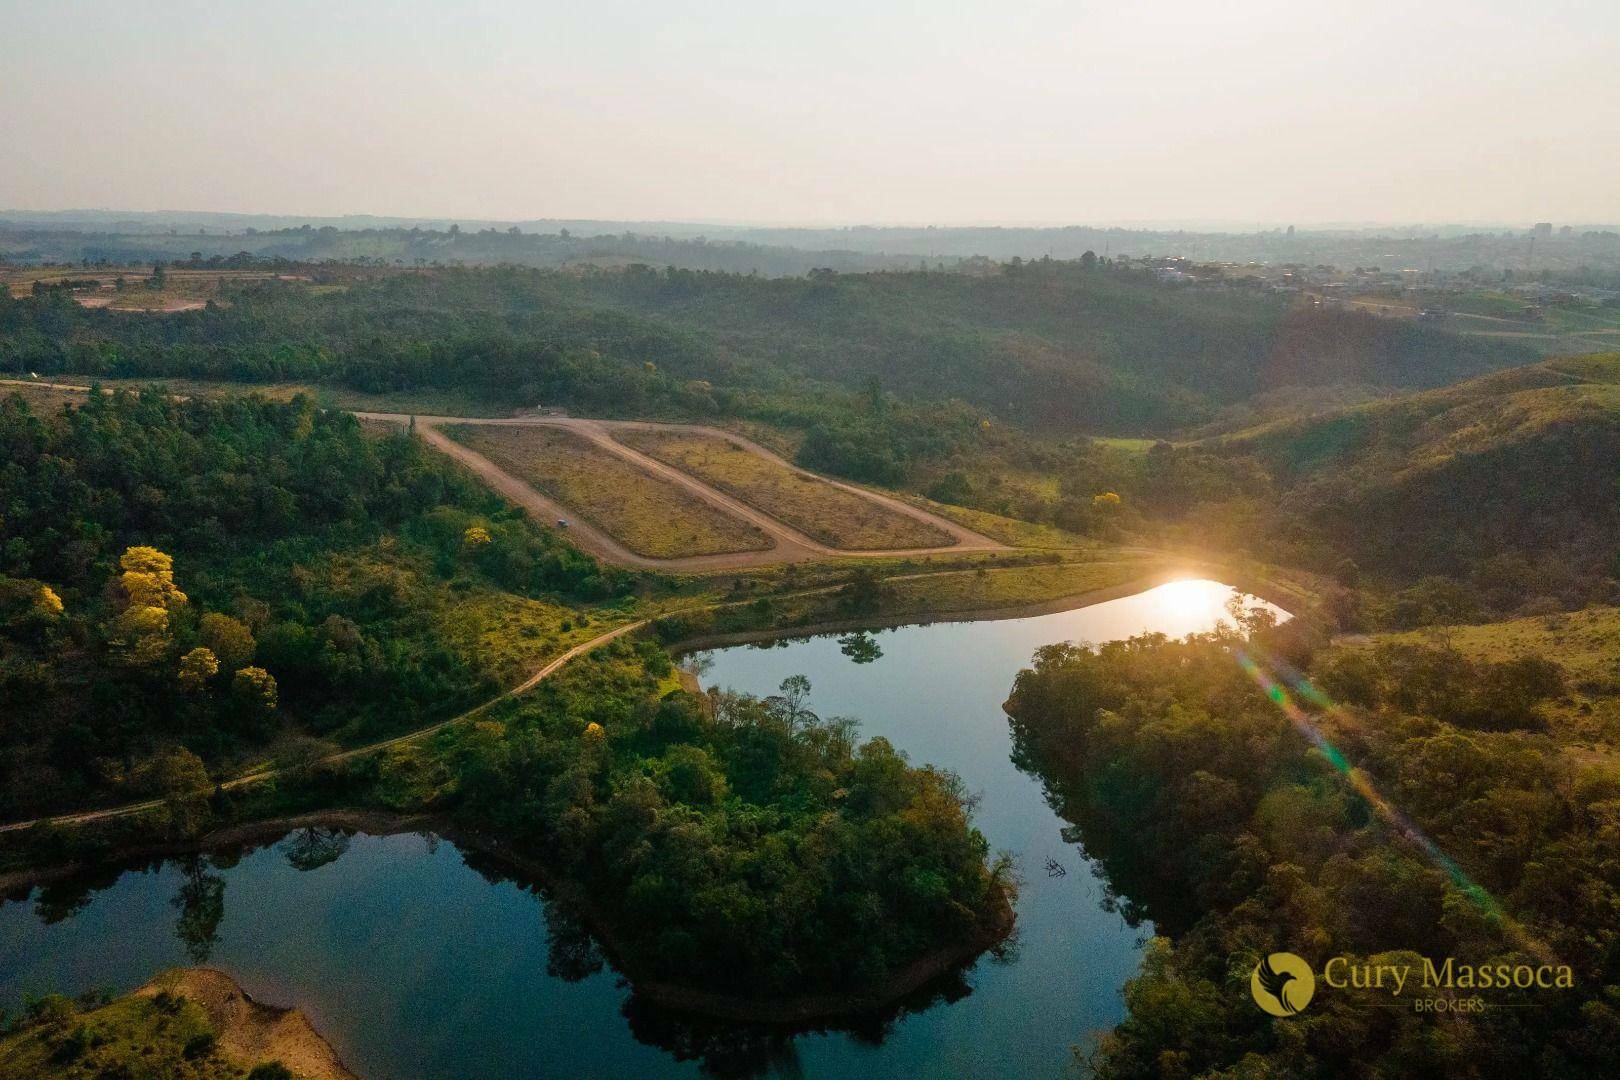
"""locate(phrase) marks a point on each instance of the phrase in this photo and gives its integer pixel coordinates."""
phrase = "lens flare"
(1266, 677)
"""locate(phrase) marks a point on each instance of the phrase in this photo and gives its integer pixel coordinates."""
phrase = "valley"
(364, 634)
(810, 542)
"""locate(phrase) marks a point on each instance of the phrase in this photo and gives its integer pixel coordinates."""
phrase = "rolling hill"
(1062, 348)
(1506, 475)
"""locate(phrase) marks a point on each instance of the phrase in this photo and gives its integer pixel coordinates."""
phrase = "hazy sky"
(825, 112)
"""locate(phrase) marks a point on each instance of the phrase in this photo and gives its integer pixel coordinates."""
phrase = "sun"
(1193, 599)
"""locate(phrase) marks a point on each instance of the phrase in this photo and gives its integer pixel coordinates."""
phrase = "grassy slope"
(972, 590)
(836, 517)
(1427, 428)
(510, 636)
(1586, 643)
(1520, 460)
(136, 1038)
(644, 513)
(186, 1024)
(1008, 530)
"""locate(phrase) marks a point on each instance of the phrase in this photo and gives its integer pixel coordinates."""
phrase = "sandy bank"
(251, 1032)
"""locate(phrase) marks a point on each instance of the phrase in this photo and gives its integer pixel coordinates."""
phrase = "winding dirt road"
(419, 734)
(787, 543)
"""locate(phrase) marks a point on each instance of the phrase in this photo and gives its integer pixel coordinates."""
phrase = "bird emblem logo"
(1282, 984)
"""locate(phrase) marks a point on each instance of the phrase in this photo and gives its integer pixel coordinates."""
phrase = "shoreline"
(1271, 592)
(879, 621)
(799, 1011)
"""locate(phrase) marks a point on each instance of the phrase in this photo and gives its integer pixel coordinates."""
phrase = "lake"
(415, 961)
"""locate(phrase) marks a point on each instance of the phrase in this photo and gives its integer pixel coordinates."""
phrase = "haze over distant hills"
(75, 235)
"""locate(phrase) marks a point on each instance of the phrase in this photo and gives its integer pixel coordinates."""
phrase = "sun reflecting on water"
(1194, 601)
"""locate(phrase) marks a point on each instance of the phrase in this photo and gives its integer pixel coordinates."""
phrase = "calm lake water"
(415, 964)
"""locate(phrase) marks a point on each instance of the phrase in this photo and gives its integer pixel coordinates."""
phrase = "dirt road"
(262, 775)
(787, 543)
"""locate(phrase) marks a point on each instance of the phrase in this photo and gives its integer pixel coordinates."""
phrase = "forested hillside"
(183, 581)
(1054, 345)
(1217, 819)
(1060, 347)
(1506, 482)
(586, 244)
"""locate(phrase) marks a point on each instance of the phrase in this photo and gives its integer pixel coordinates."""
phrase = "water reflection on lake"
(416, 960)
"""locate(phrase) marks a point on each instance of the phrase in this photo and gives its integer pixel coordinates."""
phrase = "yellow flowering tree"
(47, 602)
(196, 668)
(148, 579)
(140, 632)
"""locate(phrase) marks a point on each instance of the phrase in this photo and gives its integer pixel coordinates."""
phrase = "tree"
(791, 705)
(140, 635)
(140, 632)
(863, 593)
(172, 773)
(196, 668)
(230, 639)
(148, 579)
(47, 603)
(256, 688)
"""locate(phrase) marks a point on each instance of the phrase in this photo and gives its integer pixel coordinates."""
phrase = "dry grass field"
(645, 514)
(42, 400)
(182, 290)
(1010, 531)
(1586, 644)
(1001, 587)
(822, 511)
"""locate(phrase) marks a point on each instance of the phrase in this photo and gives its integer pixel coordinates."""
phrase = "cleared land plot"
(1011, 531)
(825, 512)
(645, 514)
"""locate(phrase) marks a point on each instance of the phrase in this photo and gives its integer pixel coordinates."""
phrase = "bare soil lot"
(833, 515)
(644, 513)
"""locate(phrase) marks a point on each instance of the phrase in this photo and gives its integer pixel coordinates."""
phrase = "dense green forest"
(185, 580)
(1052, 345)
(741, 845)
(1242, 835)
